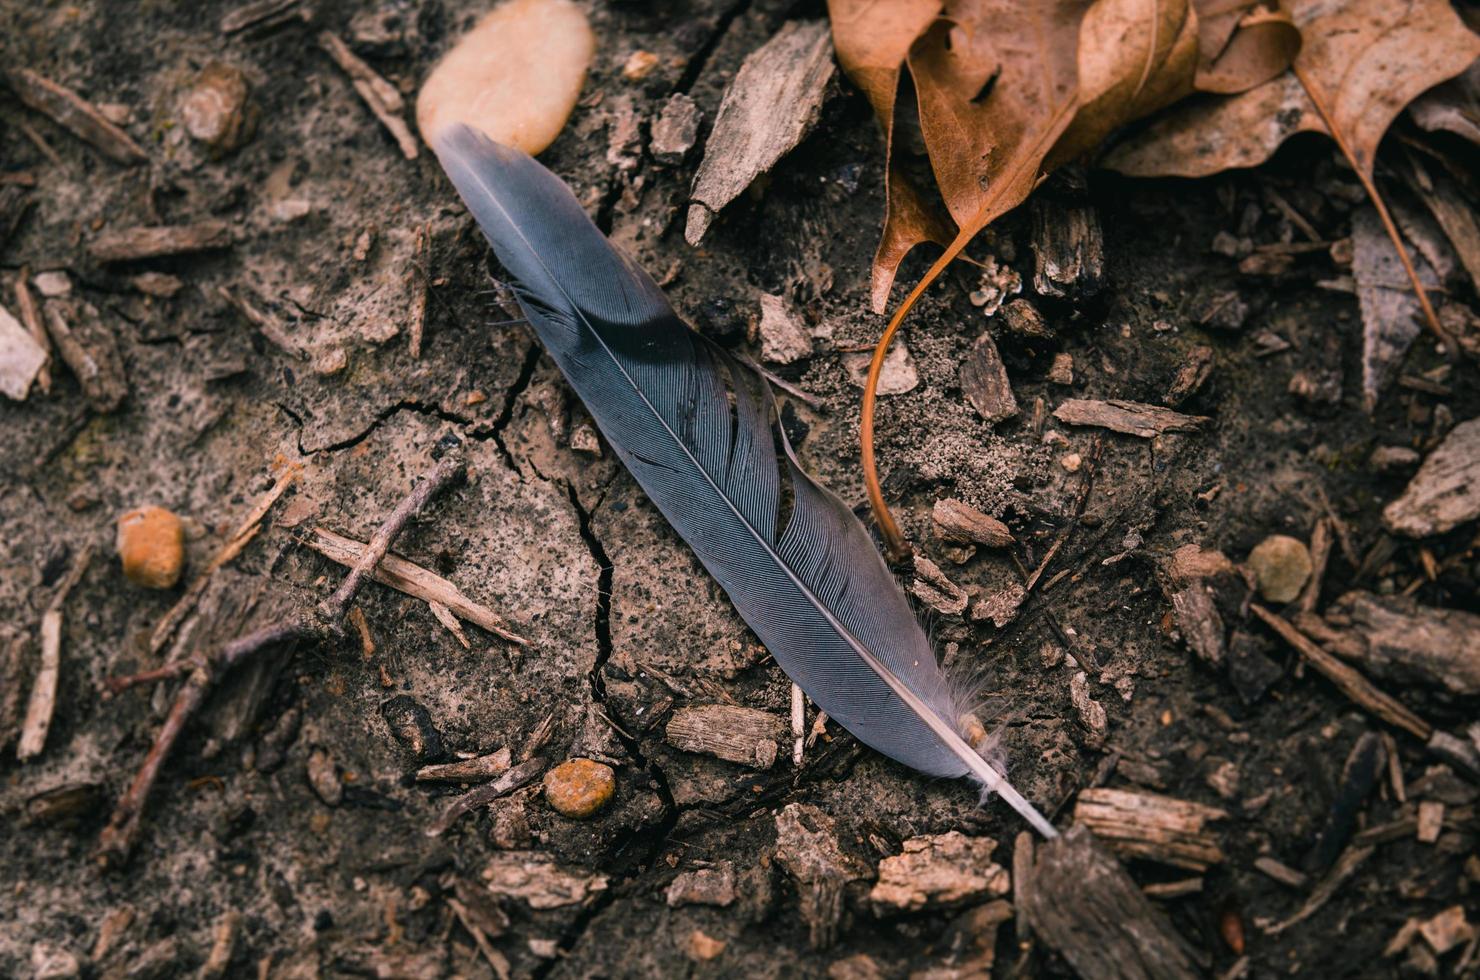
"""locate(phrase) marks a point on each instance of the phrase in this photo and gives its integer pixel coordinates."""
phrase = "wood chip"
(984, 382)
(475, 770)
(412, 579)
(1068, 249)
(1091, 713)
(1152, 826)
(1447, 929)
(1446, 490)
(1398, 639)
(540, 881)
(772, 104)
(75, 114)
(30, 316)
(807, 848)
(1194, 372)
(380, 95)
(1347, 678)
(1085, 906)
(21, 358)
(932, 587)
(264, 14)
(1430, 821)
(43, 701)
(152, 241)
(729, 732)
(1197, 618)
(1131, 418)
(939, 871)
(89, 350)
(960, 522)
(784, 336)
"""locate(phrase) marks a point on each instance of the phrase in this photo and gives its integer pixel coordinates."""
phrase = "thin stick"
(413, 580)
(43, 701)
(1347, 678)
(1431, 319)
(333, 608)
(323, 623)
(798, 724)
(245, 531)
(421, 275)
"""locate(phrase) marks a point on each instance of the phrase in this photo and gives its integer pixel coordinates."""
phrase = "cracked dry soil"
(623, 623)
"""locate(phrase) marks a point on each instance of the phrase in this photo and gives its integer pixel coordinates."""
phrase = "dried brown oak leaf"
(1130, 65)
(1369, 60)
(872, 40)
(996, 88)
(1241, 44)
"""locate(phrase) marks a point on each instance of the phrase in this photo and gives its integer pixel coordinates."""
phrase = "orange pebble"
(151, 545)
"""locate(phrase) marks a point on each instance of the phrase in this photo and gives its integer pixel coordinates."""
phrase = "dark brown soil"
(620, 616)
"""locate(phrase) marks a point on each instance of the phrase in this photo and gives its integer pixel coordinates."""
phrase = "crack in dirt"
(506, 412)
(471, 430)
(656, 838)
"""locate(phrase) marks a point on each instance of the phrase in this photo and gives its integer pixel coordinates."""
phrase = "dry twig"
(415, 581)
(70, 111)
(324, 622)
(44, 691)
(380, 95)
(1347, 678)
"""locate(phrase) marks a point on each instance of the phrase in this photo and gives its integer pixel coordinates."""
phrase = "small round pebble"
(579, 788)
(1281, 565)
(151, 545)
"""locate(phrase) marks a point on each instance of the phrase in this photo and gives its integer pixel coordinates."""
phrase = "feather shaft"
(682, 416)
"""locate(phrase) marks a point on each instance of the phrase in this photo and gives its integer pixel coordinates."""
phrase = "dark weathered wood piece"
(1131, 418)
(960, 522)
(1190, 377)
(984, 381)
(1445, 492)
(1400, 640)
(1084, 905)
(1068, 249)
(74, 113)
(264, 14)
(147, 242)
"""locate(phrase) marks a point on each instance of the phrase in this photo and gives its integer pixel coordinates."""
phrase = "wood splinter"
(380, 95)
(74, 113)
(44, 691)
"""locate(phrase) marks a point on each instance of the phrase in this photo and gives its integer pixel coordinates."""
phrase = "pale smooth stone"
(515, 76)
